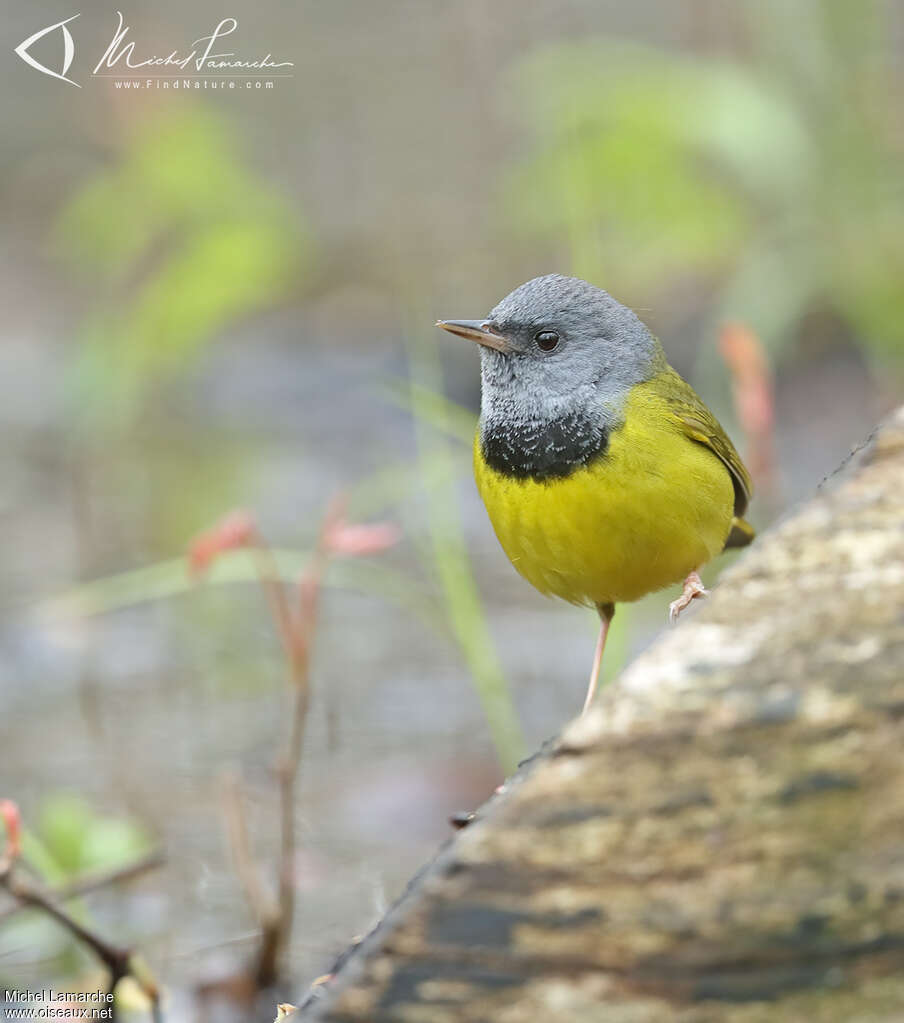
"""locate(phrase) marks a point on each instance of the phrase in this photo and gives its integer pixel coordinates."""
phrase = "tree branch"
(87, 883)
(120, 961)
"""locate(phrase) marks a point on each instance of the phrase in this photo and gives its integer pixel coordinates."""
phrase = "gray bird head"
(558, 355)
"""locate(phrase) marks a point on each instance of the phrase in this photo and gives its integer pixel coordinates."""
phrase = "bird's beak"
(476, 330)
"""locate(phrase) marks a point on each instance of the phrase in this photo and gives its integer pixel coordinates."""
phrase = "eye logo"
(68, 50)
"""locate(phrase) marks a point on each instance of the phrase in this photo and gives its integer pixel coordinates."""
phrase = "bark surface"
(721, 840)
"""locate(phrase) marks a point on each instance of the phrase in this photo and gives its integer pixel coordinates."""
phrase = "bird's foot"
(693, 588)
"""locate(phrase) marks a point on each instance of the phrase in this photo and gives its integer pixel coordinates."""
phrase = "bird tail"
(741, 534)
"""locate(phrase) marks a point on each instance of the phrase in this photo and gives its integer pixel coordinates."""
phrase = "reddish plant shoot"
(12, 822)
(295, 626)
(754, 399)
(338, 538)
(346, 539)
(236, 530)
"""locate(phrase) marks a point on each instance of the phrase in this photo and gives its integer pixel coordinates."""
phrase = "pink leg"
(693, 588)
(606, 612)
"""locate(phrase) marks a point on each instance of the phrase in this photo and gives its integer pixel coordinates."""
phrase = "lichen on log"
(722, 839)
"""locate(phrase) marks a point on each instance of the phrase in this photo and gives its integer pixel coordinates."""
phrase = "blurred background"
(224, 298)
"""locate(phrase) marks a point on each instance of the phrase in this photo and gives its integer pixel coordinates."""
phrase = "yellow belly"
(654, 508)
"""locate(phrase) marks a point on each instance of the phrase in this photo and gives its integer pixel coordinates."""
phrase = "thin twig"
(295, 626)
(275, 592)
(87, 883)
(118, 960)
(288, 777)
(297, 631)
(240, 846)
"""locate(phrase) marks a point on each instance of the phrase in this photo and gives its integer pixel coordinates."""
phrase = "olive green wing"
(700, 425)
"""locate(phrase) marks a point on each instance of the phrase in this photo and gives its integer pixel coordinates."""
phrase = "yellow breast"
(655, 507)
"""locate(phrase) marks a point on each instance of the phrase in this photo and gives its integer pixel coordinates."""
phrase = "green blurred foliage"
(775, 180)
(177, 240)
(72, 839)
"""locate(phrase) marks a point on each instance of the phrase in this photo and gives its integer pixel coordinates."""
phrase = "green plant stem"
(463, 605)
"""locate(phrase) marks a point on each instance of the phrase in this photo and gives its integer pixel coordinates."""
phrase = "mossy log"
(722, 839)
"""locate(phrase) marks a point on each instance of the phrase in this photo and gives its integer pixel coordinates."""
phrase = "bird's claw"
(693, 588)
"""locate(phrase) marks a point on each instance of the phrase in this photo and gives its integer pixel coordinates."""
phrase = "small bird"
(604, 475)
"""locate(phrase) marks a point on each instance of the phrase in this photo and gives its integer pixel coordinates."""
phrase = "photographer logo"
(199, 65)
(68, 50)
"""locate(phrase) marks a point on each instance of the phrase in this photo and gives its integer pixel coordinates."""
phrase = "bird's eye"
(547, 340)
